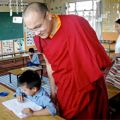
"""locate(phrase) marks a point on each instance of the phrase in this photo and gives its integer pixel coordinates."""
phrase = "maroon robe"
(77, 58)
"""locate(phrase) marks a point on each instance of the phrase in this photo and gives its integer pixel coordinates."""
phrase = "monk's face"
(117, 27)
(40, 24)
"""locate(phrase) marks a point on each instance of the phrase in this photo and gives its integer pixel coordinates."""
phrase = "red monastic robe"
(77, 59)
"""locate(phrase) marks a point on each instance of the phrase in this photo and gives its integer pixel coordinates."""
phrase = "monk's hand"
(27, 111)
(20, 98)
(53, 98)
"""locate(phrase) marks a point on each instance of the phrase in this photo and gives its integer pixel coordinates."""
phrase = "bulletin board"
(29, 41)
(19, 45)
(7, 46)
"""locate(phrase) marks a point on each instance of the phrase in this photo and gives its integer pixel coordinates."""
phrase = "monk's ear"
(49, 16)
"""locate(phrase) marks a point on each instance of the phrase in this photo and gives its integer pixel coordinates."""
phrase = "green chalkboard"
(8, 29)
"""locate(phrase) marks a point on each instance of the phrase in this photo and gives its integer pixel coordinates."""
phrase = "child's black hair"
(30, 78)
(117, 21)
(31, 50)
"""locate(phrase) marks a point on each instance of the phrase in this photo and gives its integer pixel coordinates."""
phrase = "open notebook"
(17, 107)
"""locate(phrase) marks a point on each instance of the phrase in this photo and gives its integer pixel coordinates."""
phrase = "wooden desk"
(6, 114)
(14, 58)
(19, 71)
(10, 58)
(112, 91)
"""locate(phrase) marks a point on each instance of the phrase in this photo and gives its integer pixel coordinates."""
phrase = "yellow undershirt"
(58, 26)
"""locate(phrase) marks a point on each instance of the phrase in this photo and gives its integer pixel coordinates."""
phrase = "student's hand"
(20, 98)
(29, 57)
(27, 111)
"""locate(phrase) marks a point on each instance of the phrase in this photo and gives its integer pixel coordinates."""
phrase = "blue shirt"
(35, 59)
(41, 98)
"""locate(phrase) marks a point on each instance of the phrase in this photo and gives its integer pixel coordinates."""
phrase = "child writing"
(34, 59)
(30, 87)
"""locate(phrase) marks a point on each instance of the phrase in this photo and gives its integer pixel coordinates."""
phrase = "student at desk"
(30, 87)
(34, 59)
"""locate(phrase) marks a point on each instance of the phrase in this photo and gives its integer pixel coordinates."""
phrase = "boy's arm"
(30, 57)
(19, 95)
(39, 112)
(48, 107)
(42, 112)
(34, 58)
(18, 92)
(48, 104)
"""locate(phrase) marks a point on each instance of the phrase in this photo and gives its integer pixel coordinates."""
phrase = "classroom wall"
(4, 6)
(60, 6)
(57, 7)
(110, 10)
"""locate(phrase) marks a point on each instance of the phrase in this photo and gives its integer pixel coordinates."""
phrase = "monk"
(75, 60)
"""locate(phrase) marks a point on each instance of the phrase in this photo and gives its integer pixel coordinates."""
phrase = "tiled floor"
(4, 79)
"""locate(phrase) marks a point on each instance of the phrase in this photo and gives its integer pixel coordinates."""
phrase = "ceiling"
(28, 1)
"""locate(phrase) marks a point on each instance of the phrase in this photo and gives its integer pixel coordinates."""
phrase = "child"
(34, 59)
(30, 87)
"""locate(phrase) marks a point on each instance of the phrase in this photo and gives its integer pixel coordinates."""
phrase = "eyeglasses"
(39, 27)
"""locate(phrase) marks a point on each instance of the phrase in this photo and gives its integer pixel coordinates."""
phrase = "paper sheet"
(17, 107)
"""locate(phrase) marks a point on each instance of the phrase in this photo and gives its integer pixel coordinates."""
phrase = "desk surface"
(112, 91)
(5, 114)
(19, 71)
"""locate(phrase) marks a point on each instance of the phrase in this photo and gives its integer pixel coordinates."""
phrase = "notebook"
(17, 107)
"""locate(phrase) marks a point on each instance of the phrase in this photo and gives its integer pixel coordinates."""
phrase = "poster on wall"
(7, 46)
(19, 45)
(0, 47)
(29, 38)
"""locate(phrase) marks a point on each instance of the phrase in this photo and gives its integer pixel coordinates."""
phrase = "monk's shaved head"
(37, 19)
(35, 7)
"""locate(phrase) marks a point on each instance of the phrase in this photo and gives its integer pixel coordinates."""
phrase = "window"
(87, 9)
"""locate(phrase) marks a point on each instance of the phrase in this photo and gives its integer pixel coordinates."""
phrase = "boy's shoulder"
(42, 93)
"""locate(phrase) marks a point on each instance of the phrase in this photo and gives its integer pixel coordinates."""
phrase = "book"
(17, 107)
